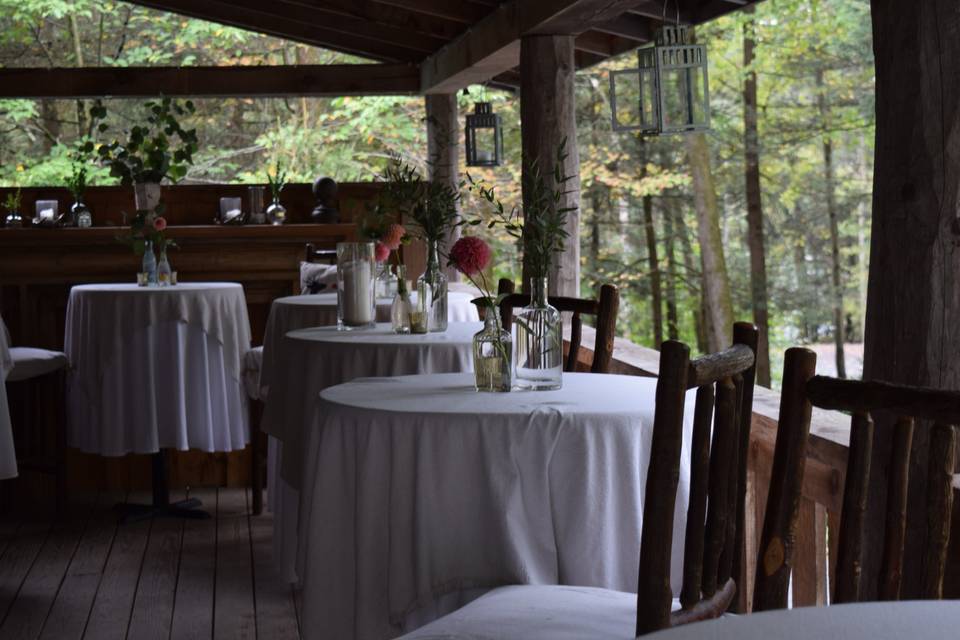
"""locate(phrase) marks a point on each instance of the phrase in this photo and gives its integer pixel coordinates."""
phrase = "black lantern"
(669, 87)
(484, 137)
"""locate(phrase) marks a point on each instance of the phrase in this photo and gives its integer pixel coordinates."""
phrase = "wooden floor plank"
(193, 606)
(71, 609)
(28, 612)
(276, 611)
(113, 603)
(152, 614)
(234, 612)
(17, 560)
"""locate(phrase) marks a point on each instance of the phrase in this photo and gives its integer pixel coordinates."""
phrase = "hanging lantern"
(484, 137)
(669, 87)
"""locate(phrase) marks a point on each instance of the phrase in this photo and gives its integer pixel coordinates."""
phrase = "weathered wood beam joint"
(246, 81)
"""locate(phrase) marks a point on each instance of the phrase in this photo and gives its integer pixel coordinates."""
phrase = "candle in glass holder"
(356, 305)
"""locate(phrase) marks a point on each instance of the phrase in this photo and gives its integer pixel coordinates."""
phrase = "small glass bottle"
(276, 212)
(163, 270)
(400, 309)
(81, 213)
(538, 338)
(436, 279)
(420, 315)
(149, 264)
(492, 354)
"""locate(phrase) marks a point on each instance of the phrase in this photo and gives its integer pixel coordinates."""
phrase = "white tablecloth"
(322, 357)
(417, 488)
(8, 457)
(926, 620)
(157, 368)
(318, 310)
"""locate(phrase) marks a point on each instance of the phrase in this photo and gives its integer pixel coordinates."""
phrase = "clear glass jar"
(436, 279)
(420, 315)
(400, 309)
(492, 347)
(538, 337)
(81, 213)
(356, 269)
(276, 213)
(164, 277)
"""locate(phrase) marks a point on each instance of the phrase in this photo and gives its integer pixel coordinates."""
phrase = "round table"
(318, 310)
(418, 488)
(321, 357)
(156, 368)
(8, 456)
(929, 620)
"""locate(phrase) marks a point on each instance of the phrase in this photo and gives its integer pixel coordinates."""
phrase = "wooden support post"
(547, 114)
(443, 146)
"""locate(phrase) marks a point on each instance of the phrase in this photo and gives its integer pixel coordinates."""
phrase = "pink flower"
(394, 236)
(470, 255)
(381, 252)
(160, 223)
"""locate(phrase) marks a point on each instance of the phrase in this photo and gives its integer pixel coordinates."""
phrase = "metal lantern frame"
(483, 118)
(671, 54)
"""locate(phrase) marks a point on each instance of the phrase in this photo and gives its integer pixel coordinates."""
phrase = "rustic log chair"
(724, 400)
(803, 390)
(605, 309)
(252, 363)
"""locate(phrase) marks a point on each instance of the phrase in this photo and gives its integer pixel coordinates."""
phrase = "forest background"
(765, 217)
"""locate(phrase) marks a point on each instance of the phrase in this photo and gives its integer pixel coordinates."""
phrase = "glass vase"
(420, 314)
(434, 277)
(492, 348)
(146, 195)
(356, 269)
(387, 286)
(538, 337)
(402, 305)
(148, 265)
(276, 212)
(81, 213)
(164, 272)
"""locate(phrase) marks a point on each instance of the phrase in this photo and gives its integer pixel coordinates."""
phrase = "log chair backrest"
(328, 256)
(803, 390)
(712, 555)
(605, 309)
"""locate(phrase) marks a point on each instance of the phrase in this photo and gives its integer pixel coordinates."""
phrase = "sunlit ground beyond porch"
(90, 577)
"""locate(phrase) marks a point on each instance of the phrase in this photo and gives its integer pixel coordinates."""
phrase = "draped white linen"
(157, 368)
(318, 310)
(8, 456)
(418, 488)
(317, 358)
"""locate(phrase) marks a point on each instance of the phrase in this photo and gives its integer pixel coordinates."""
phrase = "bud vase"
(538, 337)
(401, 307)
(434, 277)
(492, 348)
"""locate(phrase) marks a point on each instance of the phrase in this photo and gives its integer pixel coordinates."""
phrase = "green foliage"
(277, 180)
(12, 202)
(148, 155)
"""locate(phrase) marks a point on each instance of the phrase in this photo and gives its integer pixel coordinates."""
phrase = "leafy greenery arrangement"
(541, 226)
(277, 180)
(12, 202)
(148, 226)
(77, 180)
(148, 154)
(432, 206)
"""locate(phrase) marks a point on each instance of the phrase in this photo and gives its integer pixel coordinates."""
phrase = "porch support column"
(547, 113)
(443, 146)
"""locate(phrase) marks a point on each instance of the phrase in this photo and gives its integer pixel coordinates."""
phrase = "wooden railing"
(822, 483)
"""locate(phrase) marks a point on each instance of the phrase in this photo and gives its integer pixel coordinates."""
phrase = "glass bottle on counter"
(401, 307)
(163, 270)
(149, 264)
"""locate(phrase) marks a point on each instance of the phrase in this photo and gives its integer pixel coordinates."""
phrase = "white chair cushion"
(317, 277)
(252, 362)
(539, 612)
(30, 363)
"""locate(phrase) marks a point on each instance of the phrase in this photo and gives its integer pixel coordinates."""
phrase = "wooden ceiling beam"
(319, 36)
(459, 10)
(386, 14)
(492, 45)
(628, 26)
(241, 81)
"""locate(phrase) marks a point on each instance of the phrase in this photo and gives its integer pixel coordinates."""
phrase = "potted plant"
(12, 204)
(160, 149)
(77, 184)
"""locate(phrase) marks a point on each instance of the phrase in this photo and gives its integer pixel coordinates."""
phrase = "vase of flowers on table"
(148, 239)
(541, 229)
(77, 184)
(492, 346)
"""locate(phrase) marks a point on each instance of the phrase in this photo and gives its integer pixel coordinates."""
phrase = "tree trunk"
(653, 262)
(547, 116)
(443, 148)
(673, 329)
(913, 298)
(78, 62)
(716, 288)
(836, 277)
(595, 238)
(758, 258)
(693, 275)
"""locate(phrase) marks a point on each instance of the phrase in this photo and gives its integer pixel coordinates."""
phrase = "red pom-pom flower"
(394, 236)
(470, 255)
(381, 252)
(160, 223)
